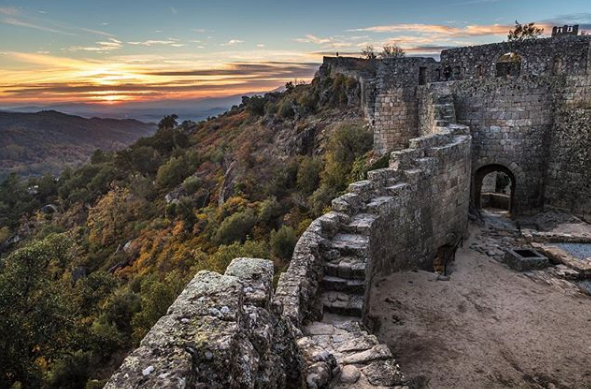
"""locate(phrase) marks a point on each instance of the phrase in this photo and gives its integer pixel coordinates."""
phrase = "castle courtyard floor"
(486, 327)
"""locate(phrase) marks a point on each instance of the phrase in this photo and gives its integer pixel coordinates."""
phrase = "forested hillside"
(91, 261)
(49, 141)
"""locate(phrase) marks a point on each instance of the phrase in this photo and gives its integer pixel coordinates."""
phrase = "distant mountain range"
(147, 111)
(48, 141)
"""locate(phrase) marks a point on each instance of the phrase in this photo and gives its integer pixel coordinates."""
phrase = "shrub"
(255, 105)
(283, 242)
(269, 211)
(309, 174)
(286, 109)
(192, 184)
(346, 144)
(271, 108)
(235, 227)
(144, 159)
(307, 102)
(185, 212)
(172, 172)
(321, 199)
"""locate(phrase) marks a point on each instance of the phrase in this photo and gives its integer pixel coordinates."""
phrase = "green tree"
(143, 159)
(345, 145)
(309, 174)
(283, 242)
(168, 122)
(192, 184)
(236, 227)
(98, 156)
(523, 32)
(172, 172)
(255, 105)
(37, 320)
(156, 296)
(286, 109)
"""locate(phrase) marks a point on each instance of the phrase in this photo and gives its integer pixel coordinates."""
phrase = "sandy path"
(488, 327)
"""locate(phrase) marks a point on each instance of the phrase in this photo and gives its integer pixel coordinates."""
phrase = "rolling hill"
(48, 141)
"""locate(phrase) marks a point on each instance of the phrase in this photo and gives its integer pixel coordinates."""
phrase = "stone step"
(379, 205)
(360, 223)
(339, 284)
(351, 268)
(351, 244)
(396, 190)
(342, 303)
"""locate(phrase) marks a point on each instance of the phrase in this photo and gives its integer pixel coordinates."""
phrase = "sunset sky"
(108, 51)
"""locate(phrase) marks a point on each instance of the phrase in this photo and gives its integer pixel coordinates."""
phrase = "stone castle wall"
(549, 57)
(525, 123)
(510, 121)
(568, 180)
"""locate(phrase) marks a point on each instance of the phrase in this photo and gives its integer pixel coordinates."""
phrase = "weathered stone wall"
(568, 182)
(219, 333)
(549, 56)
(510, 122)
(430, 184)
(395, 114)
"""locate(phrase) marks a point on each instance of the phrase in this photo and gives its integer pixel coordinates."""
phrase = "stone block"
(525, 259)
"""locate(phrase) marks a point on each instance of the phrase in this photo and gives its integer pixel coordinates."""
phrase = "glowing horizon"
(109, 53)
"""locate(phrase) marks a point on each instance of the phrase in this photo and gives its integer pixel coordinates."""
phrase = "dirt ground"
(487, 327)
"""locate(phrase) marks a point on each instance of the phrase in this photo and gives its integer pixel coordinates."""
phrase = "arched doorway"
(509, 65)
(494, 189)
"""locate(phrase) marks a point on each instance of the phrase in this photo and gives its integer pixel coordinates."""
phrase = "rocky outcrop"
(219, 333)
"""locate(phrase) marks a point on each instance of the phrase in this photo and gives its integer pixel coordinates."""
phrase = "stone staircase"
(338, 351)
(342, 354)
(346, 259)
(343, 284)
(444, 110)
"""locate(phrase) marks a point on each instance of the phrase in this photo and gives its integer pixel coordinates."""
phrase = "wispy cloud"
(440, 29)
(15, 18)
(232, 42)
(8, 11)
(329, 42)
(101, 47)
(22, 23)
(270, 69)
(168, 42)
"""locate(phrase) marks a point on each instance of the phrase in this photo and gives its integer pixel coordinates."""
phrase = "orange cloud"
(439, 29)
(46, 78)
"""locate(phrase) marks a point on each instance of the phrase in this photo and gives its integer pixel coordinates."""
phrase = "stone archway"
(478, 180)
